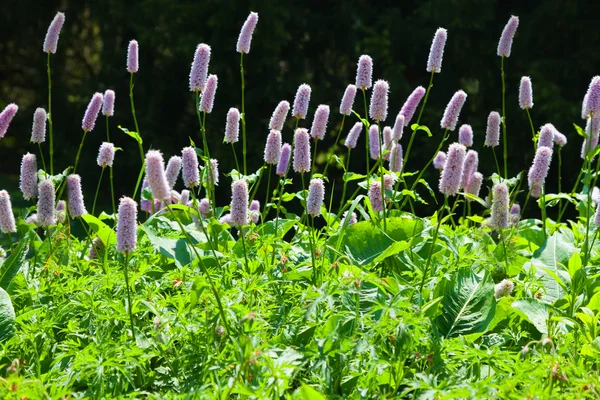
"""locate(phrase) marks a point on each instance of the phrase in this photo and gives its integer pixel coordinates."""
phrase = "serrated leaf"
(535, 312)
(468, 305)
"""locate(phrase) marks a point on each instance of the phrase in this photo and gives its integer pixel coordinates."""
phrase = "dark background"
(318, 43)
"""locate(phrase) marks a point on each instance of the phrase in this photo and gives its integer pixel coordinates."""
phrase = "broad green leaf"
(283, 226)
(351, 176)
(468, 305)
(552, 199)
(12, 264)
(103, 231)
(134, 135)
(7, 317)
(417, 127)
(177, 249)
(535, 312)
(308, 393)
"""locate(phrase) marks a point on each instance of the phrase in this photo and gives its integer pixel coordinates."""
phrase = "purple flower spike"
(364, 72)
(396, 158)
(350, 218)
(29, 184)
(239, 203)
(173, 169)
(75, 196)
(469, 167)
(38, 130)
(453, 170)
(375, 196)
(208, 97)
(91, 113)
(284, 160)
(232, 125)
(546, 137)
(525, 93)
(108, 107)
(379, 101)
(106, 155)
(319, 125)
(301, 101)
(515, 209)
(132, 57)
(374, 149)
(273, 147)
(189, 163)
(584, 111)
(7, 219)
(499, 219)
(436, 53)
(279, 115)
(411, 104)
(301, 151)
(560, 139)
(155, 172)
(465, 135)
(539, 170)
(213, 173)
(45, 205)
(204, 208)
(199, 70)
(245, 38)
(399, 127)
(255, 205)
(184, 198)
(592, 104)
(474, 185)
(388, 137)
(505, 43)
(452, 111)
(6, 117)
(127, 226)
(492, 133)
(353, 135)
(51, 40)
(348, 100)
(316, 195)
(440, 160)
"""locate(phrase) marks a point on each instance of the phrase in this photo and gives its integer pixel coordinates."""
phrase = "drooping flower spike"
(506, 39)
(245, 37)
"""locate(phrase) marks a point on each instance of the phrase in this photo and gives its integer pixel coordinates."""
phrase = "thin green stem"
(337, 139)
(79, 152)
(497, 164)
(107, 130)
(243, 112)
(345, 181)
(129, 303)
(264, 212)
(543, 205)
(533, 132)
(504, 140)
(314, 159)
(50, 127)
(237, 165)
(112, 192)
(244, 247)
(312, 250)
(435, 235)
(137, 129)
(97, 191)
(42, 157)
(412, 136)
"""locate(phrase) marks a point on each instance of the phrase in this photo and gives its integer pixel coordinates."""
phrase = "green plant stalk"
(337, 139)
(50, 131)
(314, 159)
(345, 181)
(340, 211)
(564, 208)
(504, 140)
(504, 245)
(137, 129)
(42, 156)
(533, 133)
(496, 160)
(79, 152)
(381, 173)
(588, 162)
(244, 247)
(414, 185)
(237, 165)
(312, 250)
(209, 185)
(264, 211)
(112, 192)
(204, 271)
(204, 230)
(107, 130)
(130, 304)
(282, 184)
(559, 171)
(435, 235)
(97, 191)
(366, 129)
(589, 210)
(243, 112)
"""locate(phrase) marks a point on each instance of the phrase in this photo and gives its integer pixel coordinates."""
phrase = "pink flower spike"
(374, 149)
(208, 96)
(51, 40)
(232, 125)
(440, 160)
(199, 70)
(592, 104)
(474, 185)
(396, 158)
(546, 137)
(411, 104)
(353, 135)
(375, 196)
(29, 182)
(7, 219)
(38, 130)
(399, 127)
(279, 115)
(388, 138)
(245, 37)
(499, 218)
(465, 135)
(106, 155)
(436, 53)
(284, 160)
(301, 151)
(539, 170)
(506, 39)
(469, 167)
(239, 203)
(452, 174)
(75, 196)
(301, 101)
(379, 100)
(348, 100)
(155, 172)
(453, 109)
(132, 57)
(91, 113)
(108, 107)
(492, 133)
(6, 117)
(127, 226)
(364, 72)
(273, 147)
(45, 205)
(525, 93)
(173, 169)
(319, 125)
(316, 195)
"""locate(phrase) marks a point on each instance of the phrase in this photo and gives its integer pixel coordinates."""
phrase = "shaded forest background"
(295, 42)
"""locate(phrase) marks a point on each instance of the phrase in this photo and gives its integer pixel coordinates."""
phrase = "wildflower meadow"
(297, 286)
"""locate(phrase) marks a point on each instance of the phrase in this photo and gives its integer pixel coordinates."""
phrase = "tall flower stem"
(337, 139)
(237, 164)
(244, 247)
(107, 130)
(50, 131)
(243, 112)
(345, 181)
(314, 161)
(282, 186)
(533, 133)
(42, 156)
(591, 174)
(112, 192)
(544, 210)
(435, 235)
(257, 184)
(504, 245)
(381, 173)
(496, 160)
(79, 152)
(412, 135)
(97, 191)
(310, 240)
(366, 129)
(264, 211)
(414, 185)
(504, 140)
(137, 129)
(559, 171)
(130, 304)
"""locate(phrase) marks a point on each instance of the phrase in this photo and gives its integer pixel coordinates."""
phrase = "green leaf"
(177, 249)
(579, 130)
(134, 135)
(351, 176)
(535, 312)
(417, 127)
(552, 199)
(308, 393)
(103, 231)
(468, 305)
(12, 264)
(7, 317)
